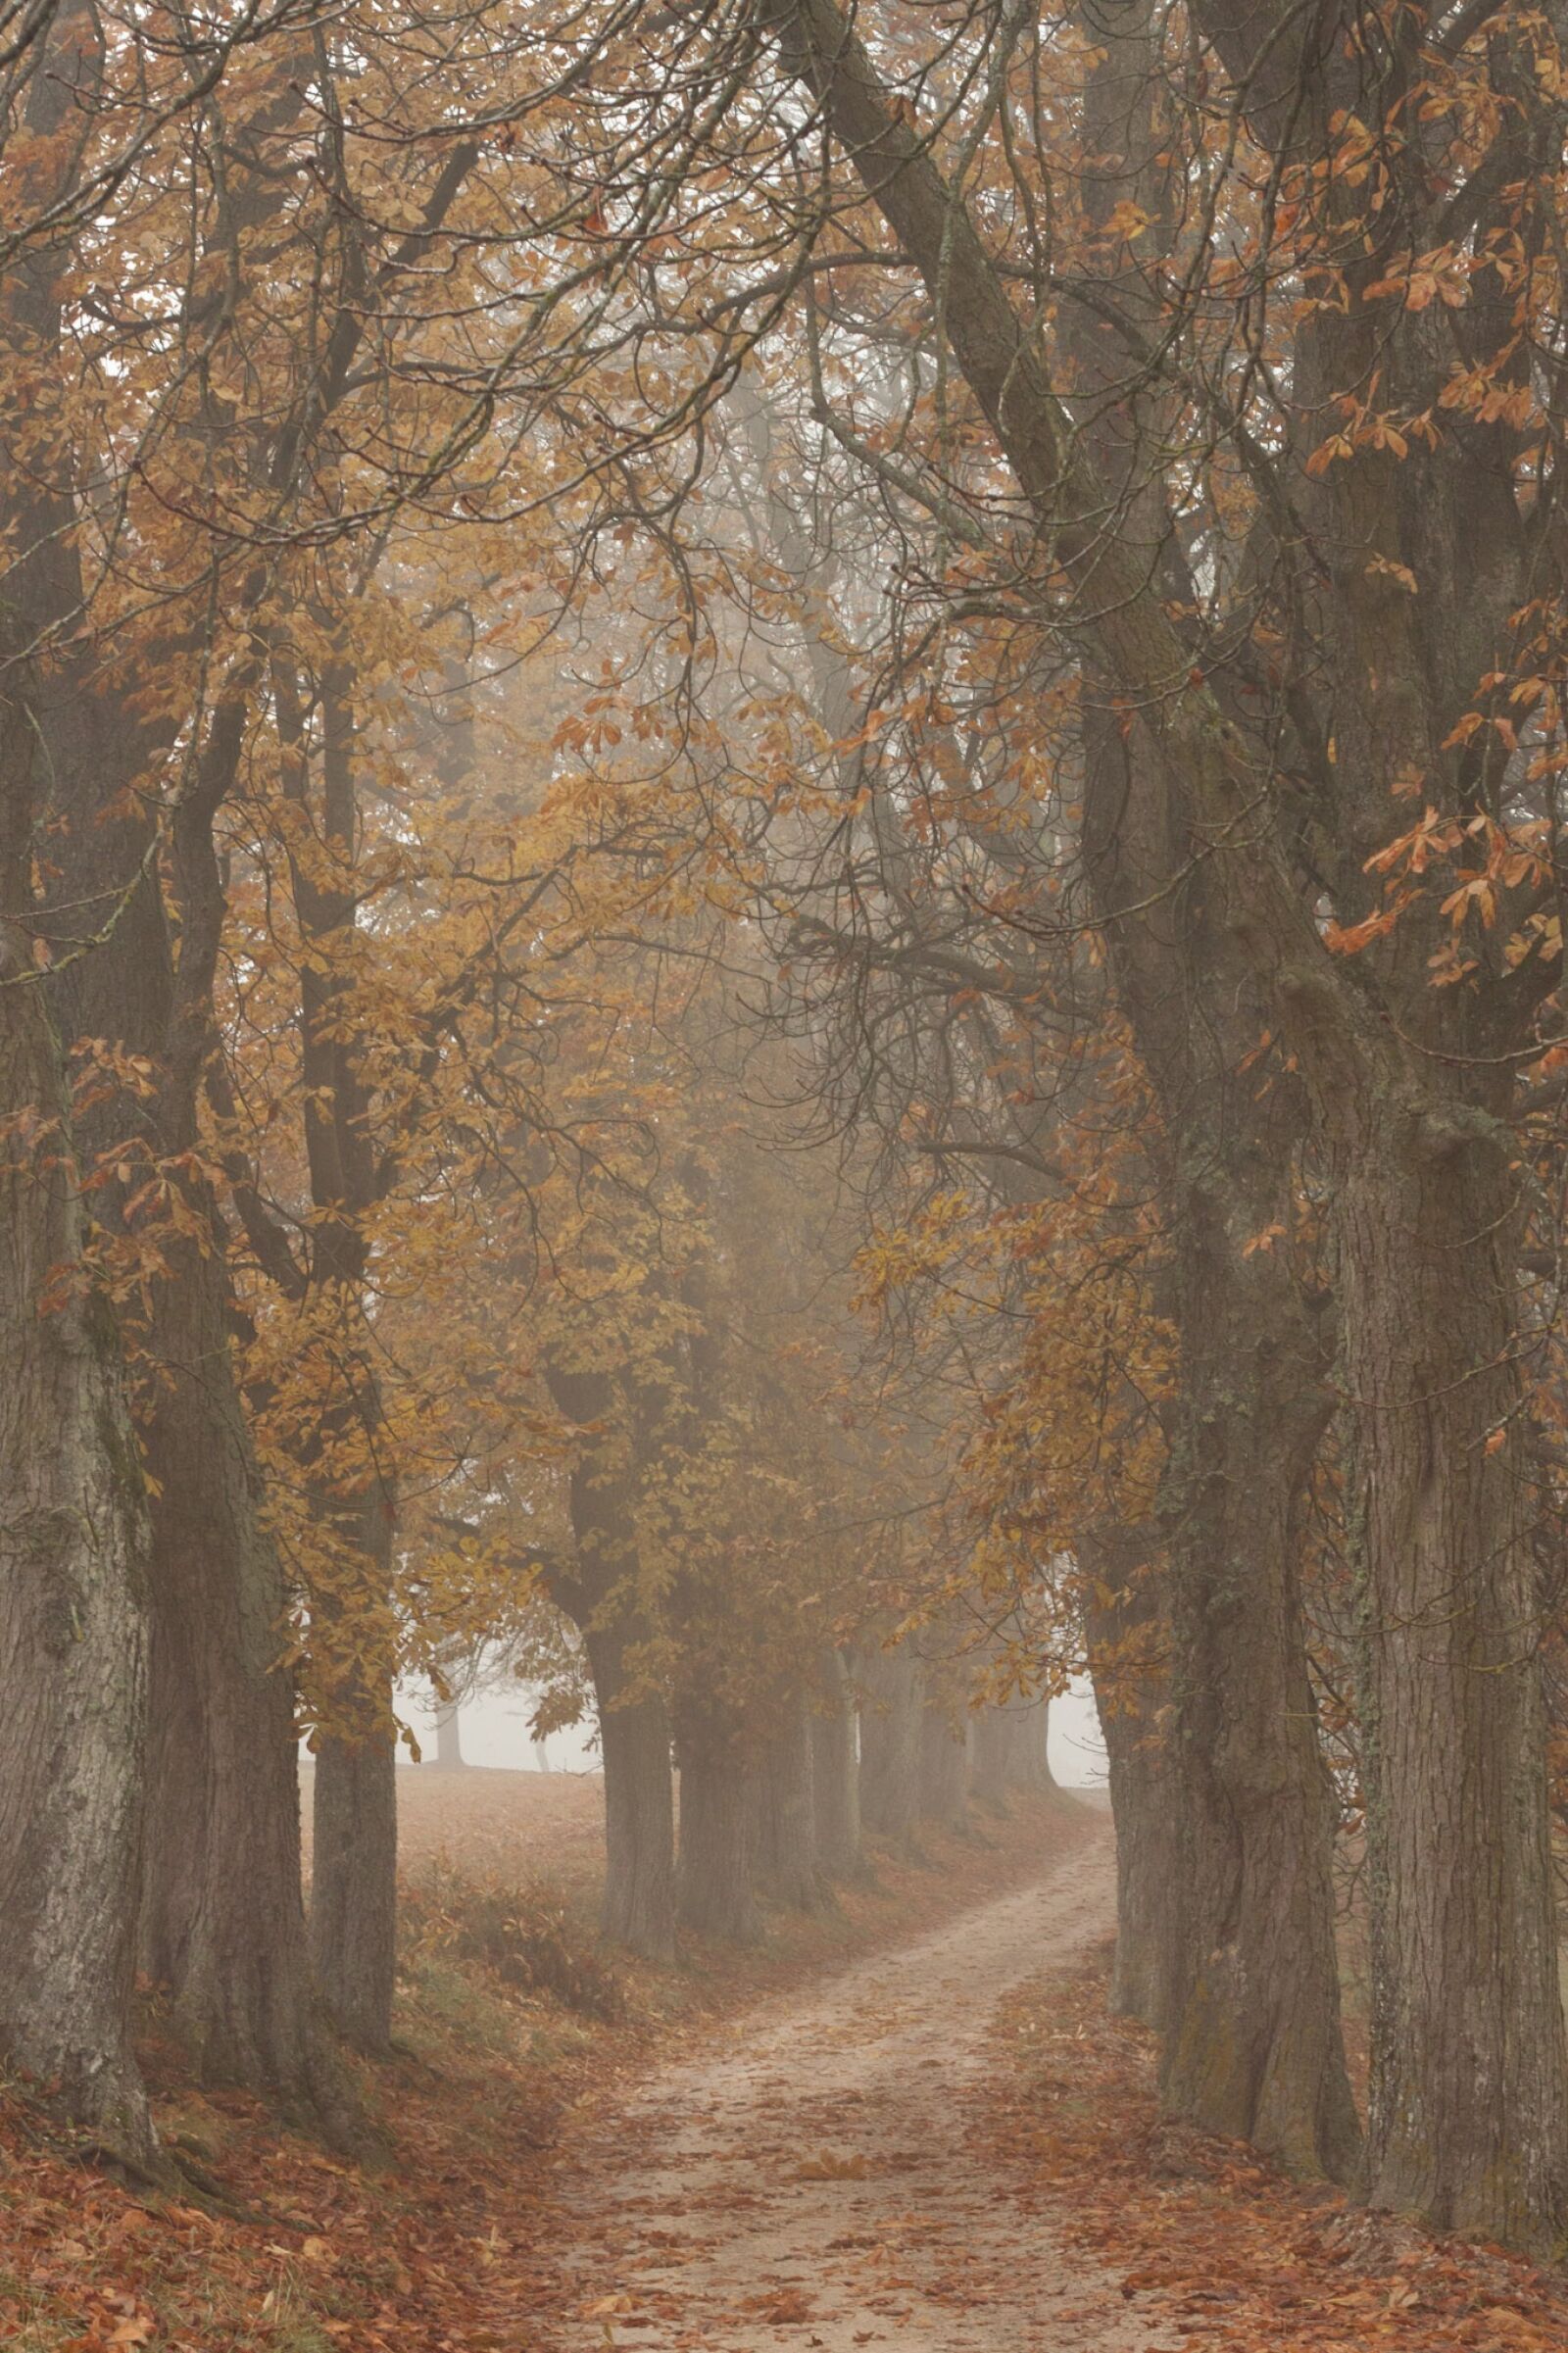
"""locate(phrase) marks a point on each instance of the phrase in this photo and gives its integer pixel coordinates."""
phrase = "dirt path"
(809, 2184)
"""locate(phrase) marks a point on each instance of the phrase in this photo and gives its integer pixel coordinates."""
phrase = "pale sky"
(495, 1732)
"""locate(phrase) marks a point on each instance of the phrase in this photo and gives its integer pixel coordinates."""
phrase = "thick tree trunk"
(1466, 1995)
(836, 1775)
(785, 1816)
(944, 1769)
(639, 1902)
(354, 1885)
(222, 1916)
(1470, 2114)
(1252, 2047)
(354, 1859)
(1147, 1892)
(716, 1880)
(598, 1595)
(890, 1743)
(72, 1613)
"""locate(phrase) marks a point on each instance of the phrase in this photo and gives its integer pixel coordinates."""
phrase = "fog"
(495, 1734)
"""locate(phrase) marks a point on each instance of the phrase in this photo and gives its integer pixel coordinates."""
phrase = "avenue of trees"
(780, 792)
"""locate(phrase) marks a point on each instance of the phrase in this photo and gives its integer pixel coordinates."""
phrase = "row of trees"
(673, 676)
(1229, 431)
(395, 1245)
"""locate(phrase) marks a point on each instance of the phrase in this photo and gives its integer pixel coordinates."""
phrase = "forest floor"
(905, 2128)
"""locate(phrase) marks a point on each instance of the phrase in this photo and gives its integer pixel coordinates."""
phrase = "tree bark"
(354, 1847)
(1031, 1750)
(1462, 1908)
(890, 1743)
(992, 1760)
(598, 1594)
(944, 1772)
(785, 1815)
(72, 1606)
(222, 1909)
(1255, 1812)
(1011, 1751)
(354, 1884)
(222, 1916)
(1253, 2045)
(716, 1880)
(639, 1902)
(836, 1775)
(355, 1852)
(223, 1919)
(1127, 1636)
(449, 1756)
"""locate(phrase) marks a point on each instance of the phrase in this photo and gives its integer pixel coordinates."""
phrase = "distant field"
(515, 1826)
(512, 1826)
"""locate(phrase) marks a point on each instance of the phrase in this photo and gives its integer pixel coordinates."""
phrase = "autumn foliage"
(781, 942)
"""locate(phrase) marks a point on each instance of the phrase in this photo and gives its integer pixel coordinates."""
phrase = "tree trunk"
(836, 1776)
(1011, 1750)
(354, 1860)
(354, 1885)
(598, 1594)
(993, 1759)
(1253, 2046)
(1462, 1914)
(785, 1815)
(222, 1915)
(715, 1885)
(1148, 1895)
(638, 1904)
(73, 1608)
(1127, 1638)
(1031, 1748)
(222, 1910)
(1470, 2091)
(890, 1743)
(449, 1756)
(944, 1769)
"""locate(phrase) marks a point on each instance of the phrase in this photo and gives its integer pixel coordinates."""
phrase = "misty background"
(495, 1734)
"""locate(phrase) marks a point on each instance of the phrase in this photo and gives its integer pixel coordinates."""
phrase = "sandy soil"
(807, 2183)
